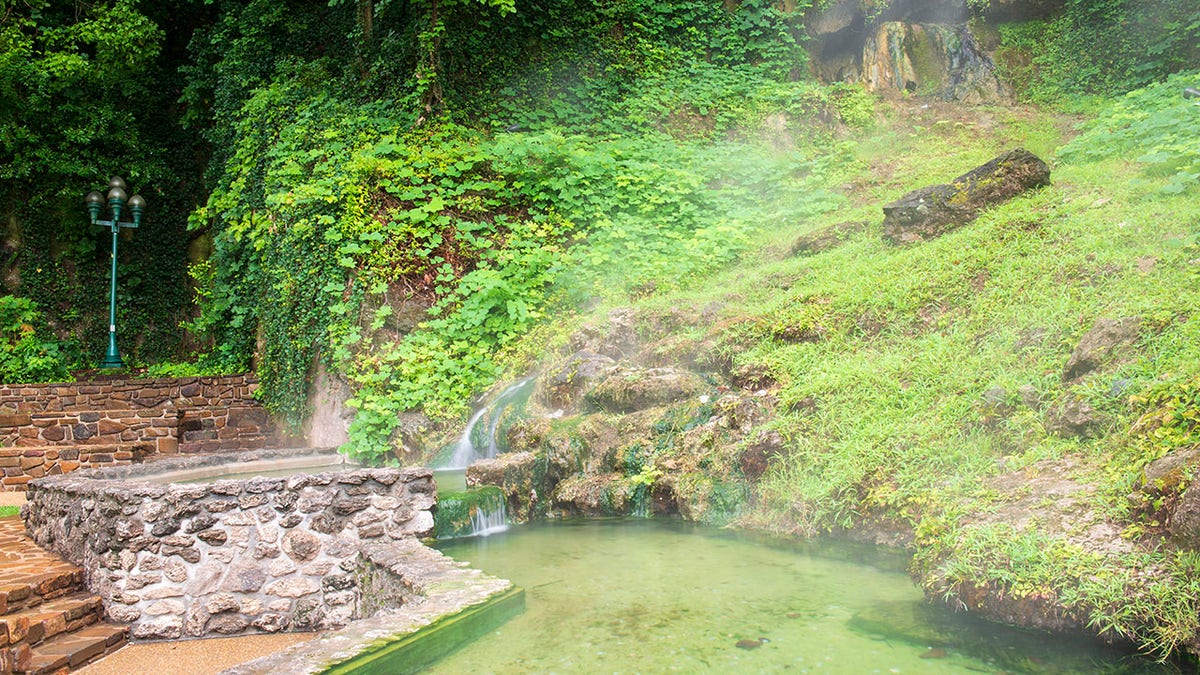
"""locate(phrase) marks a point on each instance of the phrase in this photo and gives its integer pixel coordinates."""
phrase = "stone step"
(23, 588)
(69, 651)
(42, 622)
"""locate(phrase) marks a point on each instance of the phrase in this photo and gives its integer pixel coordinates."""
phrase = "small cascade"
(467, 511)
(489, 521)
(481, 443)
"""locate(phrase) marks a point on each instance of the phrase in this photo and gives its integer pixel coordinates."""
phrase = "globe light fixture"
(115, 201)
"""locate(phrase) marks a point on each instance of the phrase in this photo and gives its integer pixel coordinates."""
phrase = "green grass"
(9, 511)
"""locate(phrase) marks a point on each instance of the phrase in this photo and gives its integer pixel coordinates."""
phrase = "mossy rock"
(628, 390)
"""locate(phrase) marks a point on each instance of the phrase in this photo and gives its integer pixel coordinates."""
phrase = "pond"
(652, 596)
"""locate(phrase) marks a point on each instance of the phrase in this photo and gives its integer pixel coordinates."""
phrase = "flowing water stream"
(656, 596)
(481, 442)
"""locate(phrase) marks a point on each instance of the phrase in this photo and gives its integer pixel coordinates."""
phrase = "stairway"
(49, 623)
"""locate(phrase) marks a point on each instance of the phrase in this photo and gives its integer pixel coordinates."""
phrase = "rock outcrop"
(931, 211)
(1099, 343)
(909, 46)
(944, 60)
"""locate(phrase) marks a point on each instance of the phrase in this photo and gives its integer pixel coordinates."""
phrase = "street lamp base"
(112, 361)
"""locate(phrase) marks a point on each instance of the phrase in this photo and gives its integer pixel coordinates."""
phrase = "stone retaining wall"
(46, 429)
(130, 394)
(232, 556)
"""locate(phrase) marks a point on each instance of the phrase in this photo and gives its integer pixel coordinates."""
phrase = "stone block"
(165, 607)
(54, 433)
(166, 628)
(292, 587)
(15, 420)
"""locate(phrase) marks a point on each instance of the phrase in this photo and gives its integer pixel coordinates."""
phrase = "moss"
(455, 510)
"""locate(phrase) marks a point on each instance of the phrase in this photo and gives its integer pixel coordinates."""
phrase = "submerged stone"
(750, 644)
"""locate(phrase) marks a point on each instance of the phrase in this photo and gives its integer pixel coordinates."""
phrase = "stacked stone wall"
(47, 429)
(233, 556)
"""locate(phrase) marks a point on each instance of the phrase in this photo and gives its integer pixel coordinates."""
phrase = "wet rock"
(750, 644)
(631, 389)
(757, 456)
(1099, 343)
(515, 473)
(1073, 417)
(565, 457)
(527, 434)
(594, 495)
(931, 211)
(564, 387)
(826, 238)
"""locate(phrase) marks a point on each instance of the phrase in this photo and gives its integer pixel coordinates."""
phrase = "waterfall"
(489, 521)
(464, 511)
(466, 450)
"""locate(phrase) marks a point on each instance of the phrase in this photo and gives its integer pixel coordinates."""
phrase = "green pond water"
(654, 596)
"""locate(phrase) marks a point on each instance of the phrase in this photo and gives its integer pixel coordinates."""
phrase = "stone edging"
(447, 588)
(233, 556)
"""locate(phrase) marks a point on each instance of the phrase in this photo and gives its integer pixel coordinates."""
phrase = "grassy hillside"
(921, 389)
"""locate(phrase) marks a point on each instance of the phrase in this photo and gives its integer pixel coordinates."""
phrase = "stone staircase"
(49, 623)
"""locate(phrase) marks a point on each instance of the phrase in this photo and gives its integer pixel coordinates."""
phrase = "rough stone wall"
(47, 429)
(232, 556)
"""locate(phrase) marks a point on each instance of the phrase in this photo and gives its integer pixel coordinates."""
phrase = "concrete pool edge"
(460, 607)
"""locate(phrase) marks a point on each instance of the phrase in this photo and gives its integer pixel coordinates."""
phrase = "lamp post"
(117, 201)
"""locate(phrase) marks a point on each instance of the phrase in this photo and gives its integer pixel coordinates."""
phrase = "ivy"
(26, 355)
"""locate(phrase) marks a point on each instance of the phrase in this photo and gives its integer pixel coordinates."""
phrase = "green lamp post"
(117, 201)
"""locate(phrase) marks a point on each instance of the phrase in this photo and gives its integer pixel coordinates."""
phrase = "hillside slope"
(992, 398)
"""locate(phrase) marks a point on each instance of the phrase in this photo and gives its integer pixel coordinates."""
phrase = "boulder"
(517, 476)
(826, 238)
(931, 211)
(1073, 417)
(1105, 337)
(601, 495)
(628, 390)
(1184, 523)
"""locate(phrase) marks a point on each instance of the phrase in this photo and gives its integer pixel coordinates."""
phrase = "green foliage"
(9, 511)
(1154, 126)
(1112, 596)
(332, 219)
(1171, 419)
(1101, 47)
(80, 101)
(26, 356)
